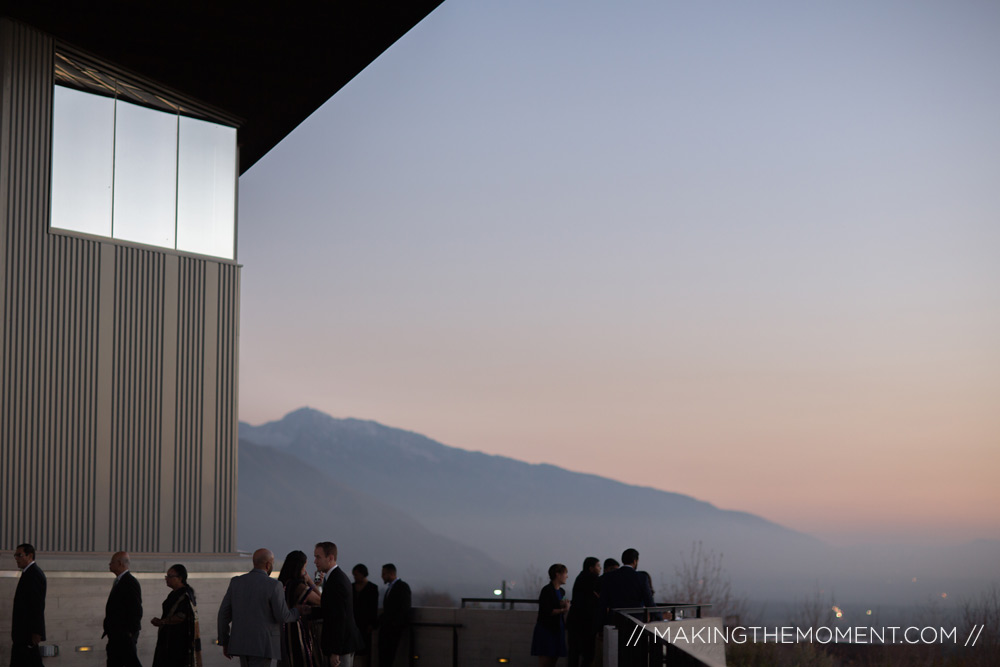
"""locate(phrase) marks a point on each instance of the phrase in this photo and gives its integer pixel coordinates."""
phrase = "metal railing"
(635, 647)
(501, 601)
(676, 610)
(638, 648)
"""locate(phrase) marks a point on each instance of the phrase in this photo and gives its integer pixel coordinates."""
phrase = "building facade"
(122, 137)
(119, 359)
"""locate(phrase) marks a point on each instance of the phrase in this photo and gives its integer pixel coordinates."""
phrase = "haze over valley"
(463, 521)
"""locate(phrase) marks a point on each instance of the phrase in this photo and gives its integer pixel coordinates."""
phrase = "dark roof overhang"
(271, 65)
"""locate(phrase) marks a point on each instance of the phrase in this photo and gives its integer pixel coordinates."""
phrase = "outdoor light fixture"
(497, 591)
(84, 649)
(503, 661)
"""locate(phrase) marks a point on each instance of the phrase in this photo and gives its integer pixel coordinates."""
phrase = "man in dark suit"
(340, 637)
(584, 619)
(625, 588)
(395, 616)
(27, 626)
(122, 614)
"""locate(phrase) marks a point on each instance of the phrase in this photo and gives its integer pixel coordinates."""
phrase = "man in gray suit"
(255, 604)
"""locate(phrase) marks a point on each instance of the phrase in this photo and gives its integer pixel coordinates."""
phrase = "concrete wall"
(485, 636)
(78, 588)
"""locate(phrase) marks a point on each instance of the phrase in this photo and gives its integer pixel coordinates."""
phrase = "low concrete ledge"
(78, 586)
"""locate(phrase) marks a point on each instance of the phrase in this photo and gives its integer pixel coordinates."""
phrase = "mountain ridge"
(276, 433)
(286, 504)
(527, 515)
(426, 504)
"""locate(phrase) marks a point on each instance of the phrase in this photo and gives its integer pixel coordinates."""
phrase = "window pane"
(206, 188)
(83, 128)
(145, 175)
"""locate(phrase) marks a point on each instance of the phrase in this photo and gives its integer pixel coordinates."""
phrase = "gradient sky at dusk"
(744, 251)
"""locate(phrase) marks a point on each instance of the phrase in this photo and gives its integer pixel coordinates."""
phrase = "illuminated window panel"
(206, 188)
(129, 172)
(145, 198)
(83, 139)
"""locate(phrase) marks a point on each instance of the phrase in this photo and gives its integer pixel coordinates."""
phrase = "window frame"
(81, 72)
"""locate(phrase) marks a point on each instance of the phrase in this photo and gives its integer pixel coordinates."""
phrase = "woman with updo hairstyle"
(549, 639)
(297, 646)
(178, 641)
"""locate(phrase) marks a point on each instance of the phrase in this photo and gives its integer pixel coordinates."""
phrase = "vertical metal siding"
(137, 400)
(227, 420)
(48, 331)
(190, 406)
(54, 312)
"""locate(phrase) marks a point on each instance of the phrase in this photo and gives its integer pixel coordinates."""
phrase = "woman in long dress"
(178, 643)
(365, 611)
(549, 639)
(297, 646)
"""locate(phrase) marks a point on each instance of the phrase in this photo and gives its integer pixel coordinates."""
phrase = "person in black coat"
(625, 588)
(395, 616)
(584, 619)
(340, 637)
(122, 614)
(365, 609)
(27, 626)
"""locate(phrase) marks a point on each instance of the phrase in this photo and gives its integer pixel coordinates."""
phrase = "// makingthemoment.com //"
(893, 634)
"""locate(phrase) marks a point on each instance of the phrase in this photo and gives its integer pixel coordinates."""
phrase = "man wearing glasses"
(27, 628)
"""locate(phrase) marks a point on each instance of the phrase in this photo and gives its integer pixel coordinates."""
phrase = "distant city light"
(944, 595)
(837, 611)
(914, 580)
(497, 591)
(869, 612)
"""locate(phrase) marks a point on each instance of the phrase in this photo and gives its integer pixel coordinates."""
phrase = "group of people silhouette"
(571, 630)
(326, 621)
(287, 612)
